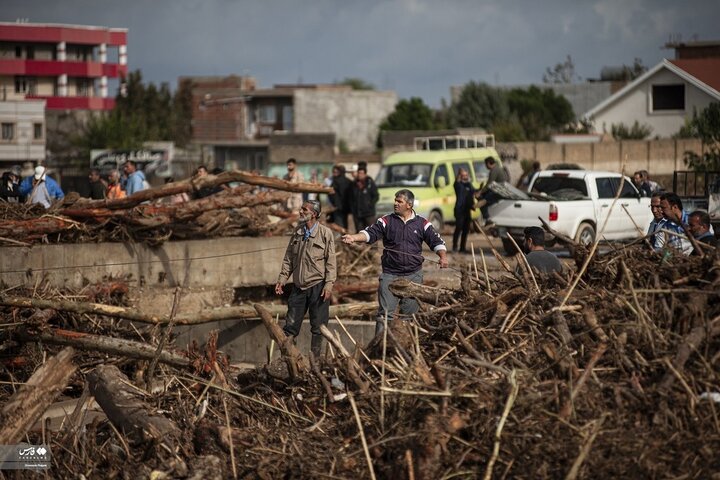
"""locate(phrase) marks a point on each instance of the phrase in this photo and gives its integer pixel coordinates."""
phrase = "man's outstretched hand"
(279, 288)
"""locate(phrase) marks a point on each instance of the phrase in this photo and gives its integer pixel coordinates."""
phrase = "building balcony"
(75, 103)
(54, 68)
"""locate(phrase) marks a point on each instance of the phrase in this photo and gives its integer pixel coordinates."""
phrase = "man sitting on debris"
(40, 188)
(488, 197)
(537, 257)
(310, 259)
(403, 233)
(676, 217)
(699, 226)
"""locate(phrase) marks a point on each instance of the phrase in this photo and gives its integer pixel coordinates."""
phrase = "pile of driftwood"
(147, 216)
(608, 371)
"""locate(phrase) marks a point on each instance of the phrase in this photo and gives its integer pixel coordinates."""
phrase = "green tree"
(357, 83)
(637, 131)
(706, 127)
(410, 114)
(479, 105)
(142, 113)
(539, 112)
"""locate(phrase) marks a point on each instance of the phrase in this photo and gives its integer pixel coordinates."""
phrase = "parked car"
(574, 203)
(430, 171)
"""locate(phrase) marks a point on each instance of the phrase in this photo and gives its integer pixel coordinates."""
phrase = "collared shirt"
(658, 238)
(678, 240)
(310, 259)
(308, 231)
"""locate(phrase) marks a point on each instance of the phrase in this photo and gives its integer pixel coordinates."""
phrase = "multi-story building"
(22, 135)
(243, 126)
(69, 66)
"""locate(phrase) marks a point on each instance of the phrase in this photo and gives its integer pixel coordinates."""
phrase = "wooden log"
(432, 295)
(35, 228)
(120, 402)
(164, 214)
(205, 316)
(296, 362)
(691, 342)
(99, 343)
(209, 181)
(24, 408)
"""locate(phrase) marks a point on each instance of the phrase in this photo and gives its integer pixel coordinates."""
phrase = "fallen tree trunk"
(99, 343)
(296, 362)
(424, 293)
(125, 410)
(35, 227)
(192, 185)
(32, 399)
(205, 316)
(164, 214)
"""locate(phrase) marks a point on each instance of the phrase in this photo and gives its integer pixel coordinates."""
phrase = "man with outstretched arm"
(403, 233)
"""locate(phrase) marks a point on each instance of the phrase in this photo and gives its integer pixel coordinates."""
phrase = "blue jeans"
(389, 302)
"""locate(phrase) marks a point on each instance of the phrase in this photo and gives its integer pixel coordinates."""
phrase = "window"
(605, 187)
(84, 86)
(404, 175)
(8, 131)
(25, 85)
(440, 172)
(481, 171)
(37, 131)
(668, 97)
(628, 190)
(465, 166)
(18, 51)
(287, 118)
(561, 187)
(266, 114)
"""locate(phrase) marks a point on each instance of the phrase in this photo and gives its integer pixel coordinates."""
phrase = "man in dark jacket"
(403, 233)
(464, 200)
(496, 175)
(10, 188)
(365, 196)
(97, 187)
(342, 197)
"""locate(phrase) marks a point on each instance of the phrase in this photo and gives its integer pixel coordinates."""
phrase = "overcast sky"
(415, 47)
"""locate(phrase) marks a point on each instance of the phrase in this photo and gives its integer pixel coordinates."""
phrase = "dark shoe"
(463, 251)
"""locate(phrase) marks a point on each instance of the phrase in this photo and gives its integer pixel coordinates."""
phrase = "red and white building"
(68, 66)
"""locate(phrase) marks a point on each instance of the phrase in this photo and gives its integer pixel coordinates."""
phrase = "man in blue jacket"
(136, 178)
(39, 188)
(403, 233)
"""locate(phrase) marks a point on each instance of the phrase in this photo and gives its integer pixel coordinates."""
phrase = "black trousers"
(362, 223)
(340, 218)
(491, 198)
(462, 228)
(299, 303)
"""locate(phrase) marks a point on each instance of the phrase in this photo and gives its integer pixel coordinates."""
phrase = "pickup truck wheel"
(437, 221)
(508, 246)
(585, 234)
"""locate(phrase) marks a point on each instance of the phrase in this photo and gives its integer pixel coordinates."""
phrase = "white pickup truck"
(575, 203)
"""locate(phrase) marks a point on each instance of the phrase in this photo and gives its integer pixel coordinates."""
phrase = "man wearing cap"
(310, 259)
(40, 188)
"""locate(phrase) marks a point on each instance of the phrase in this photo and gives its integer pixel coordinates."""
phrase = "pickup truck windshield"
(404, 175)
(564, 188)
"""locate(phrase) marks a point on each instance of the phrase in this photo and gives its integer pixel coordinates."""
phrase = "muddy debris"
(610, 374)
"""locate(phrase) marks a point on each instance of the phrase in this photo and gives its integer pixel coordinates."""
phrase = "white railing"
(454, 142)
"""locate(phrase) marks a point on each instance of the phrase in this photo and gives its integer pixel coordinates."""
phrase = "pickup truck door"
(635, 210)
(606, 188)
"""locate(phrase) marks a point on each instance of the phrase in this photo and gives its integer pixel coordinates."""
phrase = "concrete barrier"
(221, 262)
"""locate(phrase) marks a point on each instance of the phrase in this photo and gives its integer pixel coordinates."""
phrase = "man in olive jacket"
(310, 259)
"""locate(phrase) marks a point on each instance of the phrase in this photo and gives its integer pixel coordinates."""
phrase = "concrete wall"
(659, 157)
(236, 262)
(637, 106)
(354, 116)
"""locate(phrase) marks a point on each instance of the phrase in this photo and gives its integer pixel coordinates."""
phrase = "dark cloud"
(416, 47)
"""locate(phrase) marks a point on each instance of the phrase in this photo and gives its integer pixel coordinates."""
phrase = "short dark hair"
(536, 234)
(291, 160)
(130, 162)
(702, 217)
(409, 196)
(536, 165)
(489, 161)
(203, 167)
(94, 171)
(656, 194)
(672, 199)
(362, 169)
